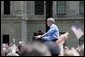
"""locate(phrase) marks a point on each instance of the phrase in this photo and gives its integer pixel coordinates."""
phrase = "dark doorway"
(6, 39)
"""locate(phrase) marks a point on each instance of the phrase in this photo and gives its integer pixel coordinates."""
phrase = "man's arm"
(50, 31)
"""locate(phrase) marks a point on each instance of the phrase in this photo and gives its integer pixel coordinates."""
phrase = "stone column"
(54, 8)
(24, 21)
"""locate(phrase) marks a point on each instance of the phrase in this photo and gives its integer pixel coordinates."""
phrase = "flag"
(77, 30)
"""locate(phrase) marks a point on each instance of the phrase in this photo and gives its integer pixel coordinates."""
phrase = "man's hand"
(39, 36)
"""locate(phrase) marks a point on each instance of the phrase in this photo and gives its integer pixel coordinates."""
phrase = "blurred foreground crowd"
(37, 48)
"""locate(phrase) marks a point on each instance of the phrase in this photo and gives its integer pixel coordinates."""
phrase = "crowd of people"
(37, 48)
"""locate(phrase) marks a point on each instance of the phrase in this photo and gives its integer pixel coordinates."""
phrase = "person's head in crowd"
(66, 48)
(12, 54)
(2, 52)
(4, 45)
(68, 53)
(71, 52)
(81, 52)
(34, 34)
(4, 48)
(20, 44)
(40, 32)
(34, 49)
(54, 48)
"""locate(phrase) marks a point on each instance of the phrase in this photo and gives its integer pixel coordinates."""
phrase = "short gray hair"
(51, 19)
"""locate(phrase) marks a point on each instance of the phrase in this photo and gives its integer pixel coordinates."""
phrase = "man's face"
(48, 23)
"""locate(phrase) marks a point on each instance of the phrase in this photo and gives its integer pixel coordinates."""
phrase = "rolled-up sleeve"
(50, 31)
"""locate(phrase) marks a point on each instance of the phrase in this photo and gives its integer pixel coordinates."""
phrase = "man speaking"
(52, 34)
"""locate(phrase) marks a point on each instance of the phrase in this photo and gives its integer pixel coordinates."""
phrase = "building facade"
(20, 19)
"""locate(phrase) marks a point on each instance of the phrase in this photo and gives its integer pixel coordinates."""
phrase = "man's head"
(50, 21)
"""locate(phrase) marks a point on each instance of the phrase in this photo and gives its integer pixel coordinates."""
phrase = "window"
(39, 7)
(81, 8)
(6, 7)
(61, 7)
